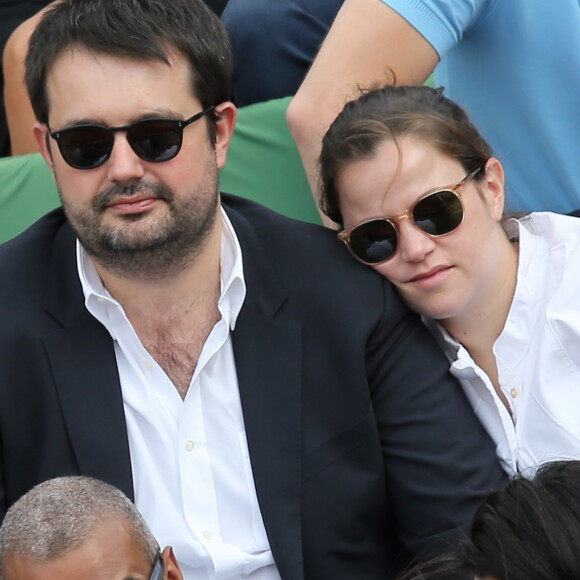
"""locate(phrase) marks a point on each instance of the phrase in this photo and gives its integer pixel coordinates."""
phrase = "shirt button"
(189, 445)
(514, 393)
(206, 534)
(148, 364)
(101, 300)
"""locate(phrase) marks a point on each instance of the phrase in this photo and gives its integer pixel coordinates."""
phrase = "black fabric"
(217, 5)
(274, 43)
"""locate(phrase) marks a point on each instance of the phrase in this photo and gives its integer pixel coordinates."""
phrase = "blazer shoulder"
(25, 259)
(260, 216)
(309, 262)
(35, 238)
(291, 245)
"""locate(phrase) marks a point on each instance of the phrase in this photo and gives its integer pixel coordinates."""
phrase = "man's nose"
(124, 164)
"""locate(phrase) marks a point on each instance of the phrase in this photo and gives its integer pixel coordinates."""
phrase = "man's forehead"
(171, 57)
(98, 86)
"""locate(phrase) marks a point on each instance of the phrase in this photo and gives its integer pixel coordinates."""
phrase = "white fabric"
(537, 353)
(191, 467)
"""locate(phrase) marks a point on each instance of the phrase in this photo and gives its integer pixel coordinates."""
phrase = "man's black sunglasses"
(156, 140)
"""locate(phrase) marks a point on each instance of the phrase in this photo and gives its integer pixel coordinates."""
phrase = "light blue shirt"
(515, 66)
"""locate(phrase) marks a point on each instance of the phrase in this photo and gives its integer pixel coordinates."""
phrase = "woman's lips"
(431, 277)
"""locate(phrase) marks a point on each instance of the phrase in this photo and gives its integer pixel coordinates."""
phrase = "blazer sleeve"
(439, 461)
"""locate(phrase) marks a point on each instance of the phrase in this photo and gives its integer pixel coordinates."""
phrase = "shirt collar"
(232, 283)
(449, 345)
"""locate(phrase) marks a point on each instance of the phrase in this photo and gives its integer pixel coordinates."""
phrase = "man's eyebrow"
(153, 114)
(157, 114)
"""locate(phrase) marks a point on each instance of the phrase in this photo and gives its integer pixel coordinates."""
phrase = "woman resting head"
(420, 198)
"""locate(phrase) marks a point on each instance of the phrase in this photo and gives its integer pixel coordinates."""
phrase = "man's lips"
(132, 204)
(431, 277)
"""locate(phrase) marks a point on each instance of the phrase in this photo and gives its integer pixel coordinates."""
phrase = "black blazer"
(363, 448)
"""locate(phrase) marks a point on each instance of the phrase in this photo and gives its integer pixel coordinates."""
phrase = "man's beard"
(164, 247)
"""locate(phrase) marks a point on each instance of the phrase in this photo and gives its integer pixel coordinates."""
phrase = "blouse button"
(514, 393)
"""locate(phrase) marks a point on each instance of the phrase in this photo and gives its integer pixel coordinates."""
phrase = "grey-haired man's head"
(77, 526)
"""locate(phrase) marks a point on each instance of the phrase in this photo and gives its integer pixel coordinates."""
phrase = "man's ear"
(226, 121)
(172, 570)
(41, 135)
(493, 184)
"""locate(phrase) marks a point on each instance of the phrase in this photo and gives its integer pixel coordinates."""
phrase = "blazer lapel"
(268, 352)
(82, 358)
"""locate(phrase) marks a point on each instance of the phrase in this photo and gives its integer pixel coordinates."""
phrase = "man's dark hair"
(146, 30)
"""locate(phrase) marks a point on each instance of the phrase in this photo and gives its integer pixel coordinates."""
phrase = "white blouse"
(537, 353)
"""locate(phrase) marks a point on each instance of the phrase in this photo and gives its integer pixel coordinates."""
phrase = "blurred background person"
(12, 14)
(274, 43)
(515, 67)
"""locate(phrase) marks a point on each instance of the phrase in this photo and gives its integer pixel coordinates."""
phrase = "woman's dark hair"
(529, 529)
(387, 114)
(141, 29)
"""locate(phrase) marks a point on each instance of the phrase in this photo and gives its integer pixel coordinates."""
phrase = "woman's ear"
(493, 187)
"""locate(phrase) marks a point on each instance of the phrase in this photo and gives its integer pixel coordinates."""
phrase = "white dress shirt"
(191, 468)
(537, 353)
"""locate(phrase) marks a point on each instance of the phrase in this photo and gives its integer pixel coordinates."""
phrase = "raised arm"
(367, 44)
(19, 112)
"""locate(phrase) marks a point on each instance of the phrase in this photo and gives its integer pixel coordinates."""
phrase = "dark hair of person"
(146, 30)
(387, 114)
(529, 529)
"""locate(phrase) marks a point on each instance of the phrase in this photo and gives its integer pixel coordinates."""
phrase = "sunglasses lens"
(373, 242)
(85, 147)
(156, 140)
(438, 213)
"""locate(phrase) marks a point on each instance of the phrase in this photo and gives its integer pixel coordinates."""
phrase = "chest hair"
(176, 344)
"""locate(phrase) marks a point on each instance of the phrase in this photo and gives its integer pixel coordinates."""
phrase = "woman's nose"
(414, 243)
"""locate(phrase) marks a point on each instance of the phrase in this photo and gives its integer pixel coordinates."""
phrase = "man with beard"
(271, 407)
